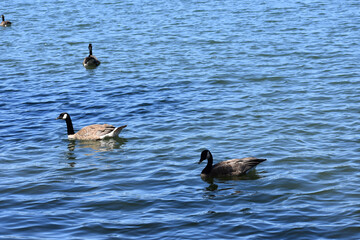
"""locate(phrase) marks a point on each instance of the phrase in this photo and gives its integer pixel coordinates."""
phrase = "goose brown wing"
(94, 132)
(246, 164)
(223, 169)
(89, 59)
(86, 60)
(236, 166)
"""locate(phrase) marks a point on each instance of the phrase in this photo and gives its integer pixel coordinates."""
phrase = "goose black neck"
(3, 18)
(209, 164)
(70, 128)
(90, 50)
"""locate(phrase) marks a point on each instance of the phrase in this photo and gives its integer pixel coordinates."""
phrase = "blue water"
(271, 79)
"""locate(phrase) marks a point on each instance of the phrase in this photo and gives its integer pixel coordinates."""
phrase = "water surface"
(272, 79)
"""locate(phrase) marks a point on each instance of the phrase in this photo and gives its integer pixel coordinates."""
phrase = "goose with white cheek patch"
(91, 132)
(91, 61)
(229, 168)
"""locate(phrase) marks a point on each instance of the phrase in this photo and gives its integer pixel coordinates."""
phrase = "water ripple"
(255, 78)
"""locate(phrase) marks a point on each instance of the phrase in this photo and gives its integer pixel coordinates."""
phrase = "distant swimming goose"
(91, 132)
(233, 167)
(4, 23)
(91, 61)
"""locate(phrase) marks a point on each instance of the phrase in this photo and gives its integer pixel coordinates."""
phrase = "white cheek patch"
(65, 117)
(208, 155)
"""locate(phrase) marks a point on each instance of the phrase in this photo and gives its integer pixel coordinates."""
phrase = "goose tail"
(118, 130)
(114, 133)
(252, 163)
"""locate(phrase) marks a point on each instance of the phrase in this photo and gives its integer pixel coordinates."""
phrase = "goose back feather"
(97, 131)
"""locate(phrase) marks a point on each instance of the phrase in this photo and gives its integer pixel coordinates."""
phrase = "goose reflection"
(98, 146)
(95, 146)
(212, 187)
(220, 186)
(253, 175)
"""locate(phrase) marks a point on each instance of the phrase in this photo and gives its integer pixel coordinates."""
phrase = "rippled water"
(272, 79)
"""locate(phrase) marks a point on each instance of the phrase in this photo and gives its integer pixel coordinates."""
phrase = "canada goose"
(4, 23)
(91, 132)
(91, 61)
(233, 167)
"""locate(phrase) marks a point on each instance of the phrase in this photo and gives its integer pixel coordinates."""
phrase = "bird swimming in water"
(91, 132)
(229, 168)
(91, 62)
(4, 23)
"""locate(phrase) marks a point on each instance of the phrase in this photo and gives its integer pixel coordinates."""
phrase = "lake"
(272, 79)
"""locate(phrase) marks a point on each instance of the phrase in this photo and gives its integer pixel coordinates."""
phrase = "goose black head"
(63, 116)
(3, 17)
(205, 155)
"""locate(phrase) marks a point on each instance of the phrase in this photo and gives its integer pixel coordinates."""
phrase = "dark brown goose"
(91, 132)
(4, 23)
(91, 61)
(229, 168)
